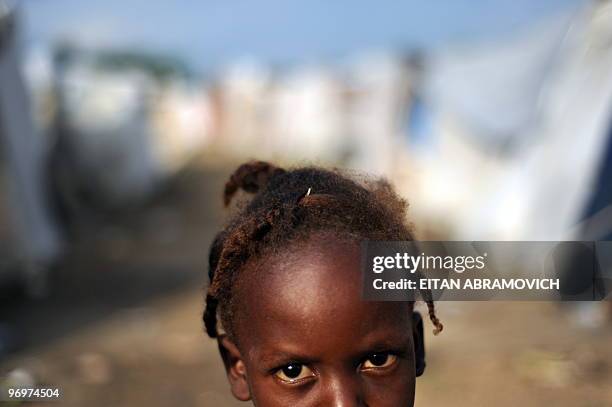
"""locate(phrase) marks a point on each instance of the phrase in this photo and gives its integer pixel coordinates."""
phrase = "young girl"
(285, 285)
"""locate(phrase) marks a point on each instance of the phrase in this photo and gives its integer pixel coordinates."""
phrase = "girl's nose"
(345, 391)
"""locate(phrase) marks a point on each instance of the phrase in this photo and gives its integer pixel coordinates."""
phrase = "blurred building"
(125, 121)
(325, 114)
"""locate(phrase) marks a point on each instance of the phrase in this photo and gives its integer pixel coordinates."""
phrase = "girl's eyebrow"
(400, 348)
(276, 358)
(385, 341)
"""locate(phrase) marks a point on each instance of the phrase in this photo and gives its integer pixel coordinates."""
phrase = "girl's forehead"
(317, 247)
(317, 267)
(313, 291)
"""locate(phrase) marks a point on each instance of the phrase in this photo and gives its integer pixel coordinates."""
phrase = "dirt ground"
(122, 327)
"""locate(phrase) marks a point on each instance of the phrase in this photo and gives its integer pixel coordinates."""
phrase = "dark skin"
(304, 337)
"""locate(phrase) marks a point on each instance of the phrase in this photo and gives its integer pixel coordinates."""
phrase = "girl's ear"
(419, 343)
(235, 368)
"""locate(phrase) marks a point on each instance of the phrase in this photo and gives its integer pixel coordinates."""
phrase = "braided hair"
(287, 207)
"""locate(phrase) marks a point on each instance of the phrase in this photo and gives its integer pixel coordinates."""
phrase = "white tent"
(28, 236)
(519, 128)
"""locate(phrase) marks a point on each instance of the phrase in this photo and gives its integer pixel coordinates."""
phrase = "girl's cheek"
(394, 390)
(270, 395)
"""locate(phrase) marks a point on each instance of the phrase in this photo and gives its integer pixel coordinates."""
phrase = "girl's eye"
(379, 360)
(294, 372)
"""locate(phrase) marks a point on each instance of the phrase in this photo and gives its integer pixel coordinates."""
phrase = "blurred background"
(121, 120)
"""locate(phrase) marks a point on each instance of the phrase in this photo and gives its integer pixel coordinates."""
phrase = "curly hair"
(288, 206)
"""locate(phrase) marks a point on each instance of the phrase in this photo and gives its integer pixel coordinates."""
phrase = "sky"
(211, 33)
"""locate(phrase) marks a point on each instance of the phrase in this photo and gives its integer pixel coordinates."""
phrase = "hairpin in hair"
(304, 195)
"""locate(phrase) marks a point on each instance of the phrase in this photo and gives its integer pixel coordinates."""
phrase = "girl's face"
(306, 338)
